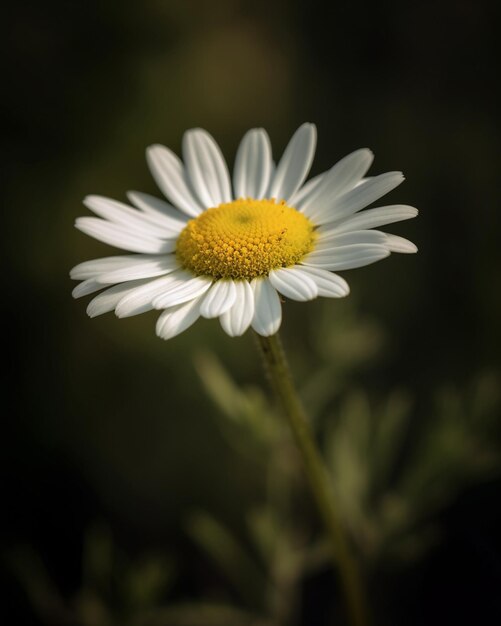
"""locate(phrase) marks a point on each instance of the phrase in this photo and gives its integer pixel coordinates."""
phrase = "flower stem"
(279, 372)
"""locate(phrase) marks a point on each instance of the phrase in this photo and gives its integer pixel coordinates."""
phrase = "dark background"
(105, 422)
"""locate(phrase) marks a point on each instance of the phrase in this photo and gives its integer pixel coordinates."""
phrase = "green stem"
(279, 372)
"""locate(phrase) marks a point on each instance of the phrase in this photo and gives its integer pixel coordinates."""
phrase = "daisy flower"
(231, 248)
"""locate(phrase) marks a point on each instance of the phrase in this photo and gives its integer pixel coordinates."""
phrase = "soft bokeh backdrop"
(115, 442)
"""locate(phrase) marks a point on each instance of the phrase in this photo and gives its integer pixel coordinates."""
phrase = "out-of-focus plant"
(113, 590)
(116, 591)
(393, 476)
(392, 470)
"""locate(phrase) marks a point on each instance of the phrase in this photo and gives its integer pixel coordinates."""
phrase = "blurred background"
(152, 483)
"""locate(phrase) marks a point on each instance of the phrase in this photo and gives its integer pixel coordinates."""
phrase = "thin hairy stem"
(317, 477)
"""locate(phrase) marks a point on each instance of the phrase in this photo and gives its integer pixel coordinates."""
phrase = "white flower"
(227, 248)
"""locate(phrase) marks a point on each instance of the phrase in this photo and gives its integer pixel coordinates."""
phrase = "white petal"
(141, 268)
(206, 168)
(173, 321)
(268, 310)
(251, 174)
(339, 179)
(120, 213)
(371, 218)
(107, 300)
(293, 284)
(329, 285)
(86, 287)
(169, 174)
(273, 169)
(303, 193)
(116, 269)
(122, 237)
(295, 163)
(335, 240)
(346, 257)
(162, 212)
(141, 299)
(220, 297)
(361, 196)
(94, 267)
(189, 288)
(236, 321)
(399, 244)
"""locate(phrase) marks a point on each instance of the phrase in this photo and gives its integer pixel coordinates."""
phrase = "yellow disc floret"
(244, 239)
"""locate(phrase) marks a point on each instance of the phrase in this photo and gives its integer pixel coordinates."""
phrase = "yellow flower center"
(244, 239)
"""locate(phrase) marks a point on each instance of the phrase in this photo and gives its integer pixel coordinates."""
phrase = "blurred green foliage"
(391, 477)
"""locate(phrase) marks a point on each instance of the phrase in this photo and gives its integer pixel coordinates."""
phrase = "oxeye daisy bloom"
(230, 248)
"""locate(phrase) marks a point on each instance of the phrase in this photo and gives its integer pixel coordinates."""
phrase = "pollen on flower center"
(244, 239)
